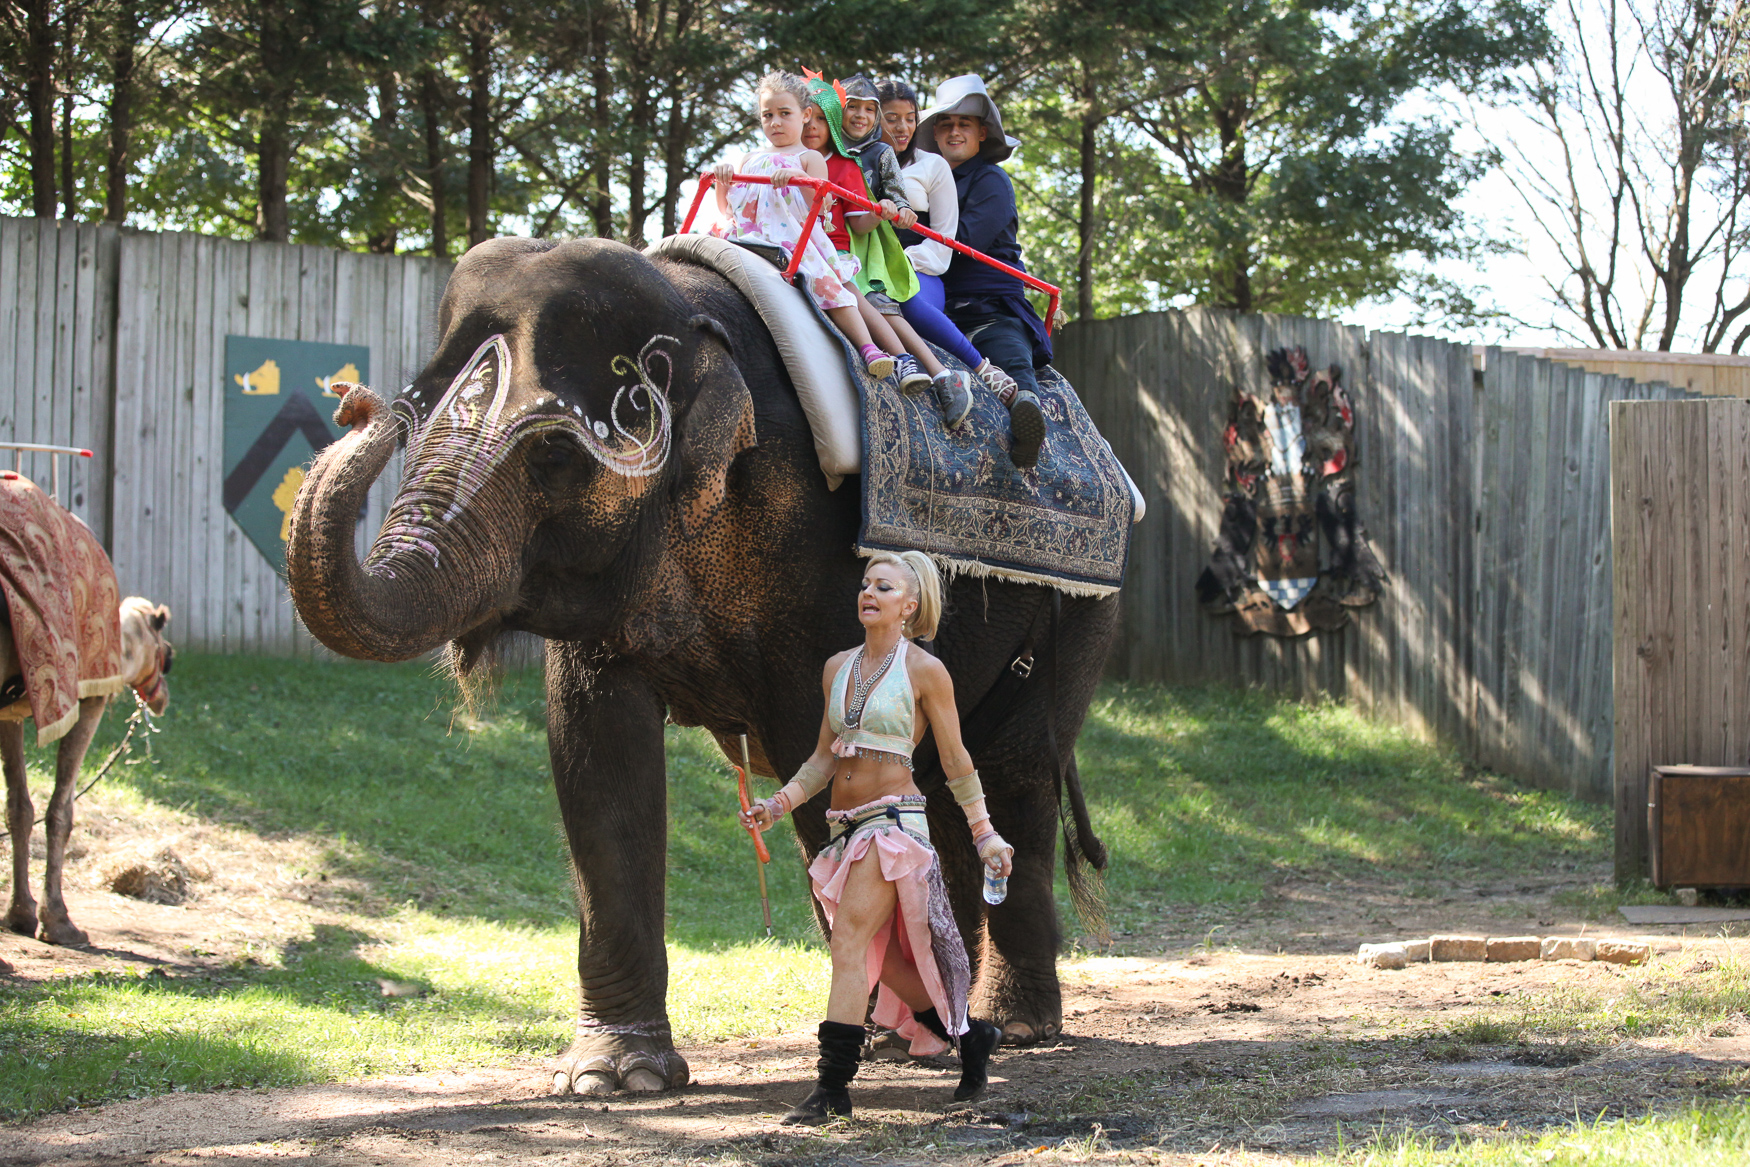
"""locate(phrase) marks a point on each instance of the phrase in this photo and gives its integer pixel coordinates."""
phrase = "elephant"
(605, 450)
(146, 656)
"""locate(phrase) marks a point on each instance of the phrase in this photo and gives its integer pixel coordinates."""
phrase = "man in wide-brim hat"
(965, 127)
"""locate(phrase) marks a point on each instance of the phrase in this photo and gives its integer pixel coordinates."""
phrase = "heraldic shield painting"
(1292, 556)
(279, 409)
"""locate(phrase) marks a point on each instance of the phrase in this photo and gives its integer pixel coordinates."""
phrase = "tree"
(30, 35)
(1633, 161)
(1288, 172)
(1079, 67)
(265, 74)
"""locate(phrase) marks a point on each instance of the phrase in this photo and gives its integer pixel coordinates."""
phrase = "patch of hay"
(162, 878)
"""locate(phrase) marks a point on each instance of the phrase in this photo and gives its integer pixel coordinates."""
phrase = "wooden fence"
(1706, 374)
(115, 340)
(1680, 484)
(1486, 495)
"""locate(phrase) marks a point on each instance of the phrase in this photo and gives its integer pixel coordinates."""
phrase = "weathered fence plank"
(115, 340)
(1487, 500)
(1680, 472)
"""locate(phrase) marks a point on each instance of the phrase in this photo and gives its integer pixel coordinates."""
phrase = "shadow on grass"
(322, 1015)
(1205, 795)
(1202, 795)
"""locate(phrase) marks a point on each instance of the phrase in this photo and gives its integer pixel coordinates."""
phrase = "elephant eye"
(551, 456)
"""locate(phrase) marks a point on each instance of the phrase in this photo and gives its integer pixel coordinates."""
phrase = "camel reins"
(140, 716)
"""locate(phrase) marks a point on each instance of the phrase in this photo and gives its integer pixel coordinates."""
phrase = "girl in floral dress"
(775, 214)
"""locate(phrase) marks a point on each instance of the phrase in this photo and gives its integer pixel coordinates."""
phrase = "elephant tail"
(1084, 855)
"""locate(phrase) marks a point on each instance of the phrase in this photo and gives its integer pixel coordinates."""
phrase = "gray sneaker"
(911, 374)
(1026, 430)
(953, 396)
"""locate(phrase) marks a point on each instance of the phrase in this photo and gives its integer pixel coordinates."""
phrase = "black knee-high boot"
(976, 1045)
(840, 1047)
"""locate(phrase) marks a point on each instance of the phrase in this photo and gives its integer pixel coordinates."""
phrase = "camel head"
(146, 654)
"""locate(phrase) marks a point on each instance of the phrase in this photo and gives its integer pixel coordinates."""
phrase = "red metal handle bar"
(39, 448)
(823, 189)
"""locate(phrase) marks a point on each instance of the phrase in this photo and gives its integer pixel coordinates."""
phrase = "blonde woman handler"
(878, 879)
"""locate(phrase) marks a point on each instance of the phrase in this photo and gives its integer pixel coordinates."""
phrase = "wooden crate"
(1698, 822)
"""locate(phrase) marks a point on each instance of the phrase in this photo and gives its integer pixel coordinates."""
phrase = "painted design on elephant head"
(627, 443)
(633, 439)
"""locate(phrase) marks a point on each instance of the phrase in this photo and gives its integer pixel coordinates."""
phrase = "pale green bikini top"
(889, 715)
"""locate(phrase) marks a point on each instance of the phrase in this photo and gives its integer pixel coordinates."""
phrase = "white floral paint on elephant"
(469, 430)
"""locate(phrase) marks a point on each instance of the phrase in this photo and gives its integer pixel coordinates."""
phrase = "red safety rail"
(824, 190)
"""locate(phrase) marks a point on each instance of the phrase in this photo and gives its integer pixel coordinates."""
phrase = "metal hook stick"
(761, 855)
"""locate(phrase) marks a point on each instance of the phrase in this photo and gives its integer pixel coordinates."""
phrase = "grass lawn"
(450, 823)
(1712, 1136)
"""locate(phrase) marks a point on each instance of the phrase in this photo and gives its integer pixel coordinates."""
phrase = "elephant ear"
(718, 426)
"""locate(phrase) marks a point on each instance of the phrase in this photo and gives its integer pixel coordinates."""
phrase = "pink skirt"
(928, 938)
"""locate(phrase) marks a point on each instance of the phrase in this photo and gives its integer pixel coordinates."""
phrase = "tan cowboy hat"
(967, 95)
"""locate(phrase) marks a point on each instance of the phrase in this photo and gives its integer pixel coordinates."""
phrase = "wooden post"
(1679, 474)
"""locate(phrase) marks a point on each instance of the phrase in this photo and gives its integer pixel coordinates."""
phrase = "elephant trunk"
(418, 587)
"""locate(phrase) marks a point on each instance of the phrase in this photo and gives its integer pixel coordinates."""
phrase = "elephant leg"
(57, 926)
(20, 815)
(1017, 967)
(605, 738)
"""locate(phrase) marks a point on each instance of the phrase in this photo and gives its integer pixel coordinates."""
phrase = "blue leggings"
(924, 313)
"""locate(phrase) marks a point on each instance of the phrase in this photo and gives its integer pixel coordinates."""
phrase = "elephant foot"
(21, 917)
(606, 1063)
(63, 933)
(1022, 1033)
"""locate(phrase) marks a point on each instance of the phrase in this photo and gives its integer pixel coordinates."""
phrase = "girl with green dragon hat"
(885, 273)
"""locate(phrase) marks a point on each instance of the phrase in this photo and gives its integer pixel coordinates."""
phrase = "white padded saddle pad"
(812, 355)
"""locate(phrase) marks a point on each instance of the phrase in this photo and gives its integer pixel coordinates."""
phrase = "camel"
(146, 658)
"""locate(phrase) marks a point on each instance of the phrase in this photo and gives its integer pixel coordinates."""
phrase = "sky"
(1515, 281)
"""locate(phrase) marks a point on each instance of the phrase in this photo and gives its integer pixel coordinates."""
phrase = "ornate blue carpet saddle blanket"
(954, 495)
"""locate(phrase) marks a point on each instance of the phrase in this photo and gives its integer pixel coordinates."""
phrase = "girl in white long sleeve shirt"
(929, 187)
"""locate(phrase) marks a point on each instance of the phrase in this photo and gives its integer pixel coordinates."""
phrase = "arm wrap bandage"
(966, 788)
(992, 845)
(809, 781)
(969, 793)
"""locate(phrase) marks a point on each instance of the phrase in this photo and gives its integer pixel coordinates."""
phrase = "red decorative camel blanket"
(64, 604)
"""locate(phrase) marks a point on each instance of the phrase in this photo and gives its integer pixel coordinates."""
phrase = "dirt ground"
(1213, 1038)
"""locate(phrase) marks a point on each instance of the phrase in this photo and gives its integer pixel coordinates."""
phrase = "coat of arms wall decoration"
(1292, 556)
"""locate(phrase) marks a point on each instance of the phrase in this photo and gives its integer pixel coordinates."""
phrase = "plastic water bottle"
(996, 887)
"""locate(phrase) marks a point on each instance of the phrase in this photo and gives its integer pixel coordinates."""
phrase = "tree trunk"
(121, 111)
(39, 99)
(674, 161)
(383, 240)
(430, 107)
(274, 163)
(601, 205)
(69, 189)
(273, 146)
(1229, 184)
(479, 136)
(643, 113)
(1088, 223)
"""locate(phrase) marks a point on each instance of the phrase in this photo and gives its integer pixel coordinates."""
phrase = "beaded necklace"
(862, 689)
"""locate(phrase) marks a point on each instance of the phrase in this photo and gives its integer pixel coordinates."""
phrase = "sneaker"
(997, 382)
(911, 374)
(877, 362)
(1026, 429)
(954, 397)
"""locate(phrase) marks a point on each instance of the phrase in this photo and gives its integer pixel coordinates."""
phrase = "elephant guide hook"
(762, 855)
